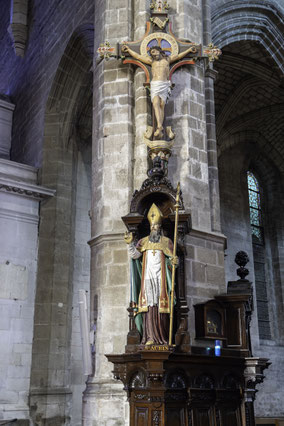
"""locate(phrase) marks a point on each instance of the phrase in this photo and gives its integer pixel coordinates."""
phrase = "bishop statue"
(151, 278)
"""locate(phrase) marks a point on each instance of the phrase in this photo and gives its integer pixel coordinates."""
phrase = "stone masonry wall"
(233, 165)
(235, 218)
(204, 264)
(112, 188)
(186, 114)
(81, 275)
(119, 166)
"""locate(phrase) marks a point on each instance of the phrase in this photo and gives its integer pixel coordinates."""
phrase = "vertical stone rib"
(142, 105)
(210, 76)
(112, 187)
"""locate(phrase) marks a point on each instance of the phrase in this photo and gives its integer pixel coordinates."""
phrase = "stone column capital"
(211, 73)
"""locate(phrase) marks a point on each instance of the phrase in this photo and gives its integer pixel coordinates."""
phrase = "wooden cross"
(159, 53)
(159, 33)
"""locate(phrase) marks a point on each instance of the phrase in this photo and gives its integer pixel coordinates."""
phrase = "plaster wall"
(19, 217)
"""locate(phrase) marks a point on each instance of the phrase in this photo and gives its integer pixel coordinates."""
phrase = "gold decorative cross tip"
(159, 6)
(212, 52)
(105, 50)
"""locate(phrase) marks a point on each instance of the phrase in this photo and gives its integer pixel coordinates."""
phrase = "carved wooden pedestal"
(179, 389)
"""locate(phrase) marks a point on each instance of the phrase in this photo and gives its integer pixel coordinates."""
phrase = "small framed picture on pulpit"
(210, 320)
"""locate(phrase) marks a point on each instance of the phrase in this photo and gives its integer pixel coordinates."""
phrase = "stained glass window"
(257, 223)
(256, 215)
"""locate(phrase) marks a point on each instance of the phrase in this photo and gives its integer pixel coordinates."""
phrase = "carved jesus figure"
(160, 84)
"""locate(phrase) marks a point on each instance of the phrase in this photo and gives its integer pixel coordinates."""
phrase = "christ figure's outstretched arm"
(145, 59)
(174, 58)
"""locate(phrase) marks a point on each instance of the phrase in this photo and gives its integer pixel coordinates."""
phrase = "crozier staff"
(160, 84)
(151, 265)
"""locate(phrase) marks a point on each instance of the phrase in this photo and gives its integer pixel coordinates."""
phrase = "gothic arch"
(251, 121)
(272, 203)
(233, 100)
(71, 79)
(243, 152)
(249, 95)
(63, 250)
(238, 20)
(256, 138)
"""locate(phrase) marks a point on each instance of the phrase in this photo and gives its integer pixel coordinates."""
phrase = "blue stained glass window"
(254, 217)
(255, 209)
(257, 233)
(252, 182)
(254, 199)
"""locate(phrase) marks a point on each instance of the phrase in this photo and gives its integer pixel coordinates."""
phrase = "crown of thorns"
(157, 48)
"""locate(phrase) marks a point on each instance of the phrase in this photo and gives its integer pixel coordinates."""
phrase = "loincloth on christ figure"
(161, 89)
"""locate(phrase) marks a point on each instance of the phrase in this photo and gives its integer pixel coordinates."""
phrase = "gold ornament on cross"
(105, 50)
(213, 52)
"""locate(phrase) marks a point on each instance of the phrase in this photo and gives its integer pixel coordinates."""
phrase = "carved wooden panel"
(156, 418)
(184, 389)
(230, 417)
(204, 417)
(176, 416)
(234, 327)
(141, 416)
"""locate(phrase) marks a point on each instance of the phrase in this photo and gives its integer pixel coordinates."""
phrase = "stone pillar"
(143, 109)
(6, 118)
(210, 76)
(253, 373)
(19, 218)
(186, 115)
(119, 166)
(194, 163)
(113, 140)
(50, 391)
(19, 25)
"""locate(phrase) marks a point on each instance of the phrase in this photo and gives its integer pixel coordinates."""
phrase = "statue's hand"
(128, 237)
(124, 48)
(174, 261)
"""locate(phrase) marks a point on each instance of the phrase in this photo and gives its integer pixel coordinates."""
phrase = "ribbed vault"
(249, 92)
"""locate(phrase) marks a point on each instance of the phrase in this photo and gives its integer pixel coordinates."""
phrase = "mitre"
(155, 215)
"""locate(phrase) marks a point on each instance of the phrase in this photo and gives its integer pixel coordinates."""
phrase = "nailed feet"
(159, 133)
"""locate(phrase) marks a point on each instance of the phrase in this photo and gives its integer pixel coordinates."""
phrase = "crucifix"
(159, 54)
